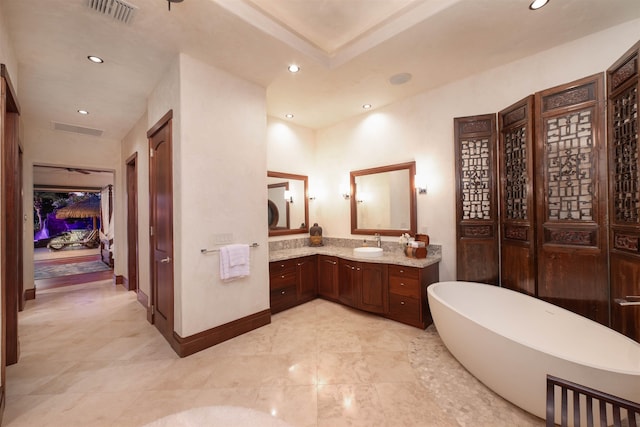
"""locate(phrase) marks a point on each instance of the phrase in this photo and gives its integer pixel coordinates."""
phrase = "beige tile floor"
(89, 358)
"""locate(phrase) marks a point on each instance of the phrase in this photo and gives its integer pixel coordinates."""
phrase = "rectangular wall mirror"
(287, 204)
(383, 200)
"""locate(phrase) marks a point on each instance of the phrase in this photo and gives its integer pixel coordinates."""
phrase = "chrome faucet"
(378, 240)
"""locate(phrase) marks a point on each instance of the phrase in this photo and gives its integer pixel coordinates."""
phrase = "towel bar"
(206, 251)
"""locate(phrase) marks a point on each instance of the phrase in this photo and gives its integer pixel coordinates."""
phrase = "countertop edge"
(396, 258)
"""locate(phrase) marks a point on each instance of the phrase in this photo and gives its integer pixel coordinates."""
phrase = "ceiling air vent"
(76, 129)
(117, 9)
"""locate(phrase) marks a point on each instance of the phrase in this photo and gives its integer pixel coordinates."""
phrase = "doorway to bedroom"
(73, 225)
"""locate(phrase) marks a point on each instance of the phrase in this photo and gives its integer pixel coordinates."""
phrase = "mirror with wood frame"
(383, 200)
(287, 204)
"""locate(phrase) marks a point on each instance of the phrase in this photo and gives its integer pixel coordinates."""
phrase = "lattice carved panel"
(515, 164)
(626, 193)
(569, 151)
(476, 178)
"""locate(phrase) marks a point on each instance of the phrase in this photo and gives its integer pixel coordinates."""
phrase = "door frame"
(169, 335)
(133, 265)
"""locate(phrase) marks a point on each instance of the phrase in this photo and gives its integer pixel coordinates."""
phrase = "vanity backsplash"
(387, 246)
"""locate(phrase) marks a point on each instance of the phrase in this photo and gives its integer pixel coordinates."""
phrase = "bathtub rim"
(551, 352)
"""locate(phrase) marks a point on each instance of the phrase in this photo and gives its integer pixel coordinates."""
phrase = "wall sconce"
(345, 190)
(288, 197)
(421, 184)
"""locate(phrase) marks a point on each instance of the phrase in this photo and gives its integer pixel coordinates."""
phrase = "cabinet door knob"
(402, 284)
(401, 302)
(299, 264)
(283, 292)
(401, 271)
(282, 277)
(358, 268)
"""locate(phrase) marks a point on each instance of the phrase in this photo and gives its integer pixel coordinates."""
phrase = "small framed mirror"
(287, 204)
(383, 200)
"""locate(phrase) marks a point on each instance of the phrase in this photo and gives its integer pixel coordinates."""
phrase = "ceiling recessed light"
(95, 59)
(537, 4)
(83, 112)
(293, 68)
(366, 106)
(289, 116)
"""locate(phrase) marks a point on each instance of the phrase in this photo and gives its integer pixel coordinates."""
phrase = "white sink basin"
(367, 252)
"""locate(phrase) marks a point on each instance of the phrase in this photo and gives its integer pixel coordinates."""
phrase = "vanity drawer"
(404, 286)
(281, 267)
(282, 298)
(404, 309)
(401, 271)
(282, 280)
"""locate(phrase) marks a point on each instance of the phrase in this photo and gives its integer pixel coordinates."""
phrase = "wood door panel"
(477, 260)
(161, 222)
(307, 278)
(625, 283)
(374, 293)
(517, 202)
(476, 195)
(347, 282)
(518, 271)
(572, 285)
(328, 276)
(623, 83)
(571, 193)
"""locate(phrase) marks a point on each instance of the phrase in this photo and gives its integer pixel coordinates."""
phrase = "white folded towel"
(234, 261)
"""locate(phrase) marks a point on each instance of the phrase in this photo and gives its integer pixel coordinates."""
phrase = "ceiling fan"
(82, 171)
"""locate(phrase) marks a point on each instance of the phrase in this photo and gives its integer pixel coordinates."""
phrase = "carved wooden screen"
(517, 202)
(623, 80)
(572, 194)
(476, 208)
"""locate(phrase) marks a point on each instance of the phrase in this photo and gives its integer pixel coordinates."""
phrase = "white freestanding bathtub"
(511, 341)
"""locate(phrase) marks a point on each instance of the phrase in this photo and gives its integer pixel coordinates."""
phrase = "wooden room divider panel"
(476, 191)
(623, 79)
(517, 201)
(571, 192)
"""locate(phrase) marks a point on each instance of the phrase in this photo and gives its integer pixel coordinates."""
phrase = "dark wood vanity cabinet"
(292, 282)
(328, 277)
(393, 291)
(373, 294)
(363, 285)
(408, 294)
(307, 278)
(347, 278)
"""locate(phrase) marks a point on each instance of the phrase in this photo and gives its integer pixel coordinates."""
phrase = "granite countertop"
(388, 257)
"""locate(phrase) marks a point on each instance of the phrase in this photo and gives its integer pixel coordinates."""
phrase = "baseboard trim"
(143, 298)
(29, 294)
(205, 339)
(2, 402)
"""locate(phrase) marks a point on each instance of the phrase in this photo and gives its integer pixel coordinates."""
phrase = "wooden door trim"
(160, 123)
(132, 225)
(164, 121)
(9, 317)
